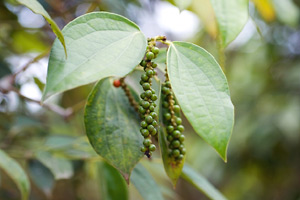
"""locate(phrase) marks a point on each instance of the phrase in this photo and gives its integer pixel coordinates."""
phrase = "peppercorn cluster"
(173, 122)
(148, 98)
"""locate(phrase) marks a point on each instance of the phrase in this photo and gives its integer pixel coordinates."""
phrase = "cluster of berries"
(147, 104)
(173, 123)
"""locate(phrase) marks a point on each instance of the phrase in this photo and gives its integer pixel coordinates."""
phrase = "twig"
(34, 60)
(65, 113)
(130, 97)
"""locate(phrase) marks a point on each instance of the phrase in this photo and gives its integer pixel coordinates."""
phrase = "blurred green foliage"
(263, 70)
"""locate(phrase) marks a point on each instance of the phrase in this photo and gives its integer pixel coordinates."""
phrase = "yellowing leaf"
(206, 14)
(265, 9)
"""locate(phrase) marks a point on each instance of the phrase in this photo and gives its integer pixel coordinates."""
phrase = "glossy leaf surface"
(172, 168)
(202, 91)
(99, 45)
(112, 127)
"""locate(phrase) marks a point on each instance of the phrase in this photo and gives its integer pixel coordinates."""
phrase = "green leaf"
(202, 91)
(231, 16)
(41, 176)
(17, 174)
(37, 8)
(39, 83)
(60, 167)
(99, 45)
(112, 185)
(112, 127)
(201, 183)
(172, 168)
(145, 184)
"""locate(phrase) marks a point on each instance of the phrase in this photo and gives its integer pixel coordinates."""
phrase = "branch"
(65, 113)
(34, 60)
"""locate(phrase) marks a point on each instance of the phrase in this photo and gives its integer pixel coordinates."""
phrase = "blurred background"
(263, 71)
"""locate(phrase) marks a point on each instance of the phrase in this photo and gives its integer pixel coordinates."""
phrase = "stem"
(130, 97)
(65, 113)
(34, 60)
(171, 102)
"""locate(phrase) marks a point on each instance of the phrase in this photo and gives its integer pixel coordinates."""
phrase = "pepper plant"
(132, 112)
(105, 47)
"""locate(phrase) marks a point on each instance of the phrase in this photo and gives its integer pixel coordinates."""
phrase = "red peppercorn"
(117, 83)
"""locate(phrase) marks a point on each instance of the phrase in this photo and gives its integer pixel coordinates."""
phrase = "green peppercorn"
(170, 138)
(154, 65)
(180, 128)
(181, 147)
(180, 157)
(142, 110)
(147, 142)
(166, 90)
(150, 127)
(183, 151)
(175, 153)
(167, 116)
(178, 121)
(175, 143)
(149, 72)
(143, 63)
(142, 82)
(165, 104)
(153, 97)
(153, 91)
(144, 124)
(176, 134)
(153, 115)
(176, 108)
(149, 119)
(153, 104)
(155, 50)
(154, 132)
(146, 86)
(145, 104)
(143, 149)
(181, 138)
(149, 55)
(154, 123)
(145, 132)
(151, 108)
(152, 147)
(168, 84)
(170, 128)
(148, 93)
(143, 95)
(144, 77)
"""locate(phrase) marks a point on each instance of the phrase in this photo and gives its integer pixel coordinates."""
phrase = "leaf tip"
(223, 153)
(126, 177)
